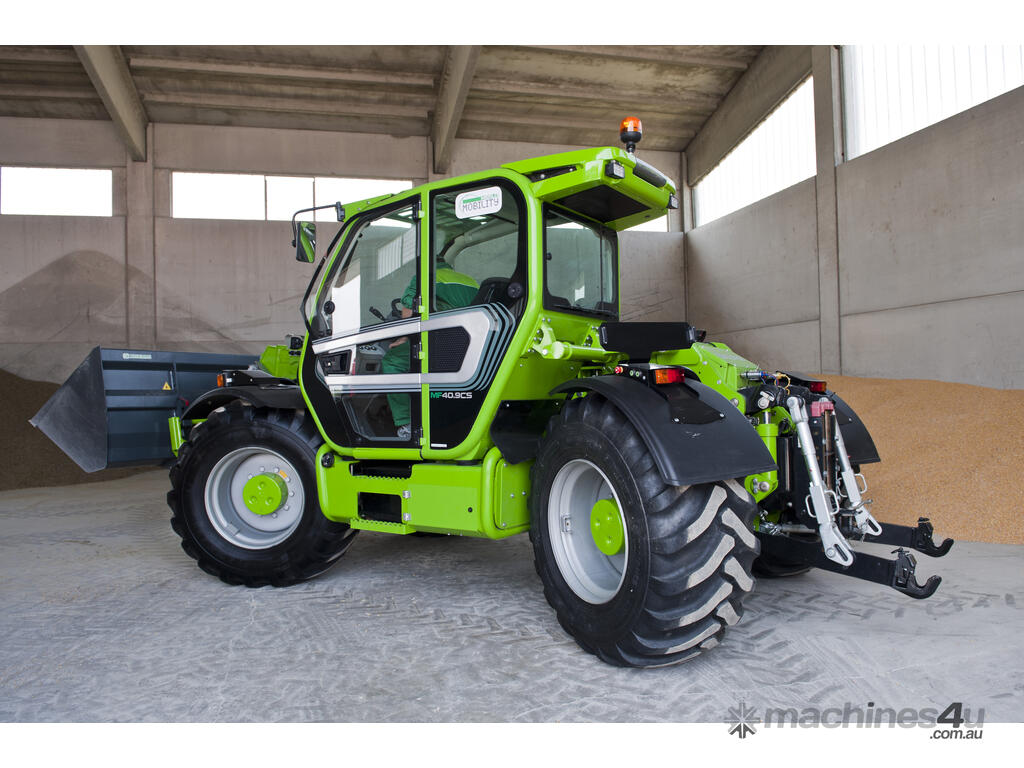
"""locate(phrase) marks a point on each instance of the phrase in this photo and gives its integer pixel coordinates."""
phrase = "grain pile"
(950, 452)
(27, 457)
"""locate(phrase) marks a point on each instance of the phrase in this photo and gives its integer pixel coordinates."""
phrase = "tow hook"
(898, 574)
(920, 537)
(904, 580)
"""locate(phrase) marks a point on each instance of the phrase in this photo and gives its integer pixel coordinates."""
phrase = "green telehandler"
(464, 372)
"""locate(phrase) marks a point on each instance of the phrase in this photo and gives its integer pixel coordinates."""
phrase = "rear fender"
(282, 397)
(859, 444)
(694, 434)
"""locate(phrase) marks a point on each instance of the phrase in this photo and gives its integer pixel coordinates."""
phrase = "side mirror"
(305, 242)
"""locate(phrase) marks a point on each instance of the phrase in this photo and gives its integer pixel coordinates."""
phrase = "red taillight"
(817, 387)
(668, 375)
(619, 369)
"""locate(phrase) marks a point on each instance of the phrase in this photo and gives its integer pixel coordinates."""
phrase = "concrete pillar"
(829, 146)
(140, 253)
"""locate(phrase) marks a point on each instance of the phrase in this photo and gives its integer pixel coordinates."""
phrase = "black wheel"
(772, 568)
(244, 498)
(639, 573)
(769, 567)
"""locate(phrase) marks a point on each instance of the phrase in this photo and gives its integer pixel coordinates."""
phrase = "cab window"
(477, 247)
(580, 266)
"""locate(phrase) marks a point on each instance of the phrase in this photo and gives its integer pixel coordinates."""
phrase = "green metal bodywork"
(278, 360)
(469, 489)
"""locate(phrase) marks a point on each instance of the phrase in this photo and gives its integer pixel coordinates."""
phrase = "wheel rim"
(231, 498)
(581, 504)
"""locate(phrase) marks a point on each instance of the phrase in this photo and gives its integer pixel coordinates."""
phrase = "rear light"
(817, 387)
(668, 375)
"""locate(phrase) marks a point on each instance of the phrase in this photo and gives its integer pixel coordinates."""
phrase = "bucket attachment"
(113, 410)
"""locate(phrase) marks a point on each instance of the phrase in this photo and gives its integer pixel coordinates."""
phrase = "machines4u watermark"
(956, 721)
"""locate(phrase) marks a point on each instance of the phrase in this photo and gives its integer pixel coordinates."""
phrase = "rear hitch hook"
(904, 580)
(923, 541)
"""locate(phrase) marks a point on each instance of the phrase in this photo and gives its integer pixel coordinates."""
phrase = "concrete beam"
(828, 148)
(608, 94)
(280, 72)
(108, 71)
(286, 104)
(451, 100)
(772, 76)
(657, 54)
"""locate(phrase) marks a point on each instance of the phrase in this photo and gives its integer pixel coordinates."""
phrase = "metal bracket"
(822, 503)
(852, 488)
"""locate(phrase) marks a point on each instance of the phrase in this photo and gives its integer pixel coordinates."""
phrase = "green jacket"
(452, 290)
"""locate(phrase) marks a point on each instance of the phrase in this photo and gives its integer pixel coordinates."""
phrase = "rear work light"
(668, 375)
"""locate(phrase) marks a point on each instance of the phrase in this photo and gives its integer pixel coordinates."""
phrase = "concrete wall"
(752, 279)
(143, 279)
(930, 259)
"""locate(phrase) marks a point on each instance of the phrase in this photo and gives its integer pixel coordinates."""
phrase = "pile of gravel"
(27, 457)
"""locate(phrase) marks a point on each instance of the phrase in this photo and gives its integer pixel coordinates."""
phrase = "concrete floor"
(105, 619)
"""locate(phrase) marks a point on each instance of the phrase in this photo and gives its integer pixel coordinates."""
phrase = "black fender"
(859, 445)
(694, 434)
(279, 396)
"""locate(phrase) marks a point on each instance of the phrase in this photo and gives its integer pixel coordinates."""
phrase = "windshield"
(580, 266)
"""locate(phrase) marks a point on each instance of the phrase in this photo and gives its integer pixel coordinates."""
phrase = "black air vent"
(602, 203)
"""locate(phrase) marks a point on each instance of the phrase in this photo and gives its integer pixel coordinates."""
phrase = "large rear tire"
(639, 573)
(244, 499)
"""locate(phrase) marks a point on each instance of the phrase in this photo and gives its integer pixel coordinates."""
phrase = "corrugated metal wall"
(775, 155)
(891, 91)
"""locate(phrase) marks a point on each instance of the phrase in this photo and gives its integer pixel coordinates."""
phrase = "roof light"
(668, 375)
(631, 130)
(673, 202)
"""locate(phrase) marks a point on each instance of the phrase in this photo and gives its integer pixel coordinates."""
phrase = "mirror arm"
(339, 211)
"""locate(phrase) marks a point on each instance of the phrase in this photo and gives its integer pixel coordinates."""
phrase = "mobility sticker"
(479, 202)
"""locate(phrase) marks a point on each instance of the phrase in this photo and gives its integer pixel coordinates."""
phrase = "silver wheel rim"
(594, 576)
(225, 505)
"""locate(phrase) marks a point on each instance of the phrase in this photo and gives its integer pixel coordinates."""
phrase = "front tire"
(244, 499)
(639, 573)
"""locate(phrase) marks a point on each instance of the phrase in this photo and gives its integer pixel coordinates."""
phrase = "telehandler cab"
(464, 371)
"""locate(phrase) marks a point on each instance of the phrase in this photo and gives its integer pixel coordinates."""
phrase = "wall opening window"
(260, 197)
(776, 154)
(56, 191)
(890, 91)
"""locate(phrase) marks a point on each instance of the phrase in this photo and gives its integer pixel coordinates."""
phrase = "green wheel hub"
(606, 527)
(265, 493)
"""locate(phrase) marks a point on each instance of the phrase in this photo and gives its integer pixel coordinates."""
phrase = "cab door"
(362, 370)
(477, 263)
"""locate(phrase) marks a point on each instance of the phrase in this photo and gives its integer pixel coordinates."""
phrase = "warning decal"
(167, 386)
